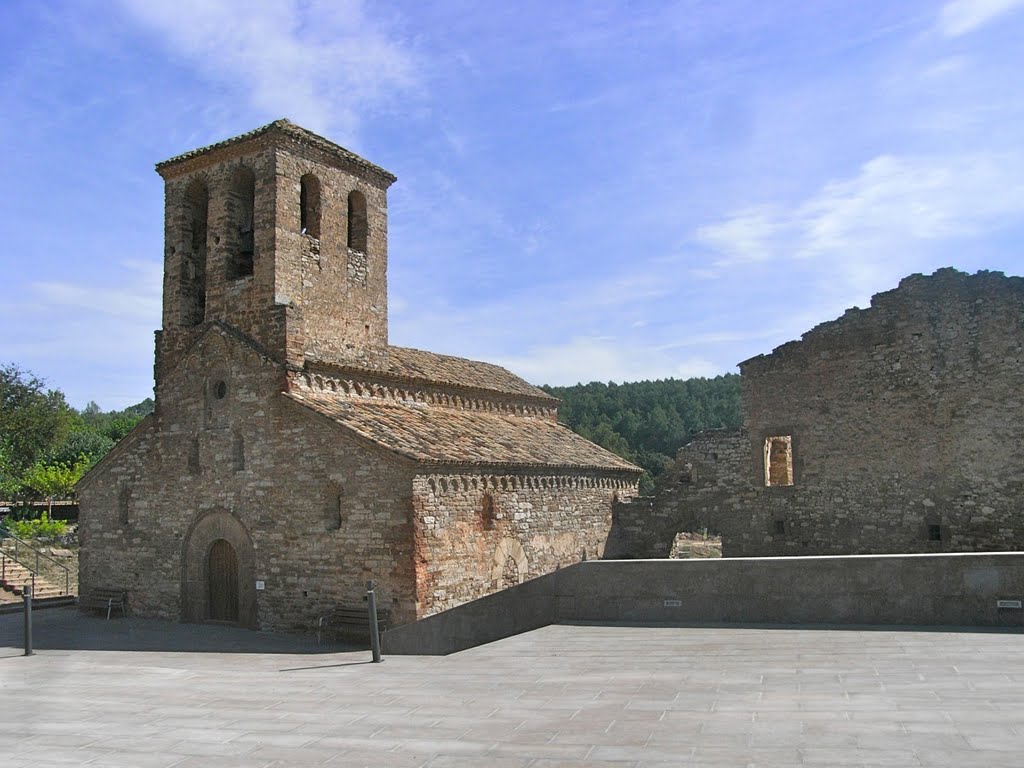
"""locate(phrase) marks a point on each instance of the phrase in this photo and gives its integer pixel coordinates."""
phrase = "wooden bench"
(106, 599)
(351, 622)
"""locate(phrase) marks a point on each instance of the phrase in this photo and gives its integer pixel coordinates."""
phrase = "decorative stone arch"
(209, 529)
(509, 549)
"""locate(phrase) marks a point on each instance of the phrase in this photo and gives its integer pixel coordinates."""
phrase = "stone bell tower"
(280, 235)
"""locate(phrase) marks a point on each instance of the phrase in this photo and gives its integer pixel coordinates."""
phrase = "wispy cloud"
(959, 17)
(882, 214)
(45, 331)
(138, 299)
(320, 62)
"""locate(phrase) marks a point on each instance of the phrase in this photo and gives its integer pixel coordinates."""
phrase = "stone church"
(294, 453)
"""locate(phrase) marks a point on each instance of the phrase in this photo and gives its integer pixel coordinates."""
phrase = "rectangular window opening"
(778, 460)
(934, 533)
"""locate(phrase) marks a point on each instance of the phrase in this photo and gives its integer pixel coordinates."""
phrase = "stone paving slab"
(188, 695)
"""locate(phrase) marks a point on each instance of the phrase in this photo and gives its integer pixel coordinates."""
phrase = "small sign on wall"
(1008, 604)
(260, 586)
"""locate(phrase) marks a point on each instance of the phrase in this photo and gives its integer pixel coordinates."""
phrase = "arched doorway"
(218, 568)
(222, 582)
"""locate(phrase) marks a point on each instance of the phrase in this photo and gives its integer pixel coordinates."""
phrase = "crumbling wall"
(706, 487)
(900, 424)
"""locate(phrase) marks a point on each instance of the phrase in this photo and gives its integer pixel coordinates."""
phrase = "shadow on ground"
(68, 629)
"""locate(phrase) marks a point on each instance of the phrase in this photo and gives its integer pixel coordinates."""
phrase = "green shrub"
(40, 528)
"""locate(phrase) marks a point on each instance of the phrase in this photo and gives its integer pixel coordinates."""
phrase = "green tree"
(52, 481)
(81, 442)
(33, 419)
(646, 422)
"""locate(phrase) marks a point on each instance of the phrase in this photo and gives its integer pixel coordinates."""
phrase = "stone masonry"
(895, 428)
(293, 453)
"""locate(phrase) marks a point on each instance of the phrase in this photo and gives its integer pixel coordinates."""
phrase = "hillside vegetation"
(646, 422)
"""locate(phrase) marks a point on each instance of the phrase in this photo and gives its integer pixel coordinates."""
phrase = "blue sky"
(587, 190)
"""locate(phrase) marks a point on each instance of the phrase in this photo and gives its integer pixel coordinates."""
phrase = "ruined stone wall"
(904, 423)
(324, 513)
(708, 486)
(478, 533)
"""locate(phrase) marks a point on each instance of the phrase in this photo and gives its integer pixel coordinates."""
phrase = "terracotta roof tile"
(445, 369)
(452, 436)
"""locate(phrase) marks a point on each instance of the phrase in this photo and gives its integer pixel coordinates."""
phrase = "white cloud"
(879, 217)
(958, 17)
(748, 235)
(60, 328)
(319, 62)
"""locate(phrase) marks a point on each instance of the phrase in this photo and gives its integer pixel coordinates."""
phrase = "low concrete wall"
(926, 590)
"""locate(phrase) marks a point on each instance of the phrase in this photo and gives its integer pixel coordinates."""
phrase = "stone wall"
(478, 533)
(707, 487)
(324, 512)
(342, 292)
(948, 590)
(306, 296)
(904, 422)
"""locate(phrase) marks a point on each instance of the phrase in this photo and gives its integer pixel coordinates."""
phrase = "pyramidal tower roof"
(280, 130)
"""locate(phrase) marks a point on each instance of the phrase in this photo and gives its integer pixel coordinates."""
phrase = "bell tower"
(281, 235)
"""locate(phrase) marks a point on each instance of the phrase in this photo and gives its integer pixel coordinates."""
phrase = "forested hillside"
(647, 421)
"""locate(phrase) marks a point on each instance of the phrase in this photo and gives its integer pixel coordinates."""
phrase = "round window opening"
(220, 390)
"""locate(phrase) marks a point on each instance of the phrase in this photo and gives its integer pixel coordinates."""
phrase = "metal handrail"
(4, 557)
(18, 544)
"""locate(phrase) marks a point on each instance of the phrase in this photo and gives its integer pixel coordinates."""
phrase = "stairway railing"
(24, 551)
(4, 558)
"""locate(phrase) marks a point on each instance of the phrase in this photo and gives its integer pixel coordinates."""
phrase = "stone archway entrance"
(219, 571)
(222, 582)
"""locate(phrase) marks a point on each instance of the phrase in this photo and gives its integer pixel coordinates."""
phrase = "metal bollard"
(371, 598)
(28, 618)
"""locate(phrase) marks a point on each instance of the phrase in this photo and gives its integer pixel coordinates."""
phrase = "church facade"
(293, 453)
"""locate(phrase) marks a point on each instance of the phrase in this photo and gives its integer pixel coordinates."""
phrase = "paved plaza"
(145, 693)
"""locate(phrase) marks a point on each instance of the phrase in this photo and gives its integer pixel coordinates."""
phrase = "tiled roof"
(292, 130)
(440, 435)
(432, 368)
(417, 364)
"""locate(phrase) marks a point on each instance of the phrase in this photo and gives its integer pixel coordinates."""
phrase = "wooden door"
(223, 587)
